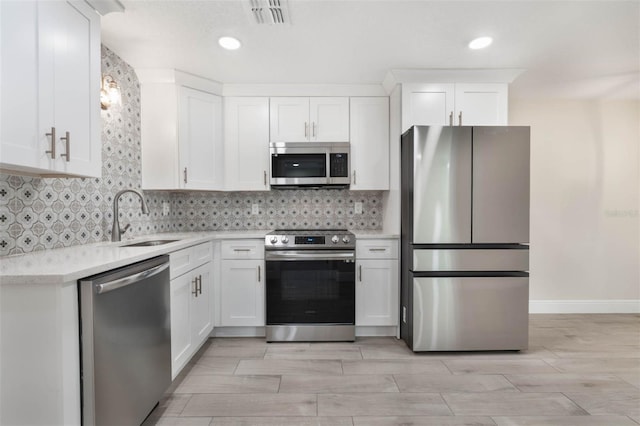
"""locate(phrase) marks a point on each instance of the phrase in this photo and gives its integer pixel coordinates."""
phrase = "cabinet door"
(51, 79)
(21, 144)
(242, 293)
(370, 143)
(329, 118)
(427, 104)
(500, 184)
(246, 127)
(481, 104)
(200, 147)
(70, 83)
(182, 344)
(289, 119)
(377, 292)
(202, 318)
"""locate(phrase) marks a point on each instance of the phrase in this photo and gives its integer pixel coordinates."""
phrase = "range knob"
(346, 239)
(274, 239)
(284, 239)
(335, 239)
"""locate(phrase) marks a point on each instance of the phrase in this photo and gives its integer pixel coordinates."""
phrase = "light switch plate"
(357, 208)
(166, 208)
(255, 209)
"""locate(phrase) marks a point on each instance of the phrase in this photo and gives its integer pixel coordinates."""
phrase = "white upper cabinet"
(454, 104)
(481, 104)
(317, 119)
(246, 143)
(329, 119)
(370, 143)
(427, 104)
(200, 140)
(50, 119)
(181, 125)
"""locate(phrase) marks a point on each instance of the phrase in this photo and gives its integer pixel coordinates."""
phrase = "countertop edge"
(69, 264)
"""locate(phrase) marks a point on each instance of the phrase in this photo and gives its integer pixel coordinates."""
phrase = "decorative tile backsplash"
(39, 214)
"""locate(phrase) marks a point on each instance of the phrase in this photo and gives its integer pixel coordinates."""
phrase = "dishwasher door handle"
(122, 282)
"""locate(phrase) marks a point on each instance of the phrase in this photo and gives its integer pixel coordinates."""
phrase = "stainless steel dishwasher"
(125, 338)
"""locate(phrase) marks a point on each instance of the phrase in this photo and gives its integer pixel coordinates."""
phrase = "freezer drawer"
(471, 260)
(470, 313)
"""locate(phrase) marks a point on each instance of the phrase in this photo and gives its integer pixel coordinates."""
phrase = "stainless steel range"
(310, 285)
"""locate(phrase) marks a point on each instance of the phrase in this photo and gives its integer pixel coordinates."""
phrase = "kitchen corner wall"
(39, 214)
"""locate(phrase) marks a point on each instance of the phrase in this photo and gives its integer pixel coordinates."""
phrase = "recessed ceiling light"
(480, 43)
(229, 43)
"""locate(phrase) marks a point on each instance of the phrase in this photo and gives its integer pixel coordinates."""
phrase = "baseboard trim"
(625, 306)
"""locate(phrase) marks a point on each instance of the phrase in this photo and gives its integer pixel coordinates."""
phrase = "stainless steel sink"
(149, 243)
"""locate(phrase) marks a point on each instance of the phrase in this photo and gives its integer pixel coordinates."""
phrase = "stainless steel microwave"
(310, 164)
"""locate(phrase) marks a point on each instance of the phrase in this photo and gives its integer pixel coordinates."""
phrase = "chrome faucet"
(116, 231)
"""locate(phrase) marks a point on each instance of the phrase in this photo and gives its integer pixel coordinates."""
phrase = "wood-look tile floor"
(579, 370)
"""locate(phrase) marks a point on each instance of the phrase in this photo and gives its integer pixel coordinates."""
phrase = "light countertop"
(72, 263)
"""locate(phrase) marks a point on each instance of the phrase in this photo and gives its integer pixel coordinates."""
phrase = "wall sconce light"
(109, 92)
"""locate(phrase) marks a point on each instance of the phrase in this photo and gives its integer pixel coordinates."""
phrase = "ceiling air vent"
(270, 12)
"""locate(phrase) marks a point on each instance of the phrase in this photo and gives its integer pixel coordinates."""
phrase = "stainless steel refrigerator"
(465, 238)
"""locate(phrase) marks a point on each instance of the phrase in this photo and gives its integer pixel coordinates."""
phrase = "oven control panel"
(301, 239)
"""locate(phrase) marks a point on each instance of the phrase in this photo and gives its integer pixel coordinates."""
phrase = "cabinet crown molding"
(446, 75)
(173, 76)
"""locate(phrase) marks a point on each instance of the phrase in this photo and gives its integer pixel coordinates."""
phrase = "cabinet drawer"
(242, 249)
(377, 249)
(184, 260)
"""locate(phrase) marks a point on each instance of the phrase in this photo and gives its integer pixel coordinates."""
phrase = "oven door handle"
(298, 255)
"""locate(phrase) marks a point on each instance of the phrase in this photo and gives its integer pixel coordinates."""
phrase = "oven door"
(310, 287)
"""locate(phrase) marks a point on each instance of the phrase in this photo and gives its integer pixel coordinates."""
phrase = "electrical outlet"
(357, 208)
(166, 208)
(255, 209)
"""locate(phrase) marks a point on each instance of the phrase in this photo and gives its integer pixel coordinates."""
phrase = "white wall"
(585, 200)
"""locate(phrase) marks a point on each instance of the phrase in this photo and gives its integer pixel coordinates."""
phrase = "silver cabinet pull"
(199, 284)
(67, 139)
(451, 118)
(354, 177)
(360, 273)
(185, 175)
(377, 249)
(195, 286)
(264, 174)
(460, 119)
(241, 249)
(313, 129)
(52, 151)
(258, 273)
(306, 130)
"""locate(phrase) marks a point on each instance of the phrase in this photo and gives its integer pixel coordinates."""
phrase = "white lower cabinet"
(191, 303)
(377, 282)
(242, 291)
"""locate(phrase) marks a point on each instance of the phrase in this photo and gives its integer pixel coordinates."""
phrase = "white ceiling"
(573, 49)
